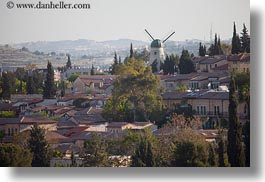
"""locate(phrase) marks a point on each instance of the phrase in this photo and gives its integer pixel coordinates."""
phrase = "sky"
(119, 19)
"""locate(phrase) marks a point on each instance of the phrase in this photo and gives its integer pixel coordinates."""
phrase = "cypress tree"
(92, 71)
(245, 40)
(68, 64)
(222, 156)
(202, 50)
(235, 42)
(234, 149)
(212, 160)
(49, 86)
(131, 51)
(30, 85)
(185, 63)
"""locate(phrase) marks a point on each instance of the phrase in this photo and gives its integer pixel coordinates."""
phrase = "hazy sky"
(115, 19)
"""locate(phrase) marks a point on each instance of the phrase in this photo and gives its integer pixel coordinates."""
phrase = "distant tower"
(157, 50)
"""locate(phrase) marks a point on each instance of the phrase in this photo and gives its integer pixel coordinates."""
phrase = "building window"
(9, 132)
(155, 53)
(204, 110)
(216, 110)
(198, 110)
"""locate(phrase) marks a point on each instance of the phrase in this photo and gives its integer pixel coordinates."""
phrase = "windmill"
(157, 50)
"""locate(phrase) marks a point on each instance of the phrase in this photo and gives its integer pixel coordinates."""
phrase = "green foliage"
(92, 72)
(39, 147)
(213, 158)
(2, 135)
(202, 50)
(68, 64)
(49, 86)
(216, 48)
(181, 88)
(169, 66)
(7, 114)
(8, 82)
(73, 160)
(246, 133)
(97, 155)
(144, 153)
(235, 149)
(114, 68)
(79, 103)
(236, 45)
(30, 86)
(185, 63)
(190, 154)
(73, 77)
(245, 40)
(57, 154)
(134, 96)
(131, 51)
(14, 156)
(222, 155)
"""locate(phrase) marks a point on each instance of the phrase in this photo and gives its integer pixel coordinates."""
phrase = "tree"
(131, 51)
(30, 85)
(212, 160)
(73, 77)
(234, 149)
(222, 155)
(7, 84)
(134, 96)
(216, 48)
(236, 46)
(202, 50)
(63, 88)
(2, 135)
(14, 156)
(49, 86)
(73, 160)
(39, 147)
(245, 40)
(68, 64)
(185, 65)
(246, 133)
(190, 154)
(114, 67)
(92, 72)
(97, 155)
(144, 154)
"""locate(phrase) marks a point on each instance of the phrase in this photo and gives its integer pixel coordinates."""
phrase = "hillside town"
(129, 115)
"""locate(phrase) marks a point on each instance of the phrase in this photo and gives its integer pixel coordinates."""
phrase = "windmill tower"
(157, 50)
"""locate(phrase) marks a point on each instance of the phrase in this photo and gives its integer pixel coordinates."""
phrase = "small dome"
(156, 43)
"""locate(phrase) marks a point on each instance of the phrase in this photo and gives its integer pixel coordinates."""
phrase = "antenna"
(168, 37)
(149, 34)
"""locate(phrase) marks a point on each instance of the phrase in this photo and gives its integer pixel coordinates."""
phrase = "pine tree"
(235, 42)
(234, 149)
(39, 147)
(7, 84)
(62, 88)
(131, 51)
(245, 40)
(68, 64)
(49, 86)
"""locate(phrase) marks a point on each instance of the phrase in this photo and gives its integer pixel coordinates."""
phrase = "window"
(201, 110)
(155, 53)
(216, 110)
(198, 110)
